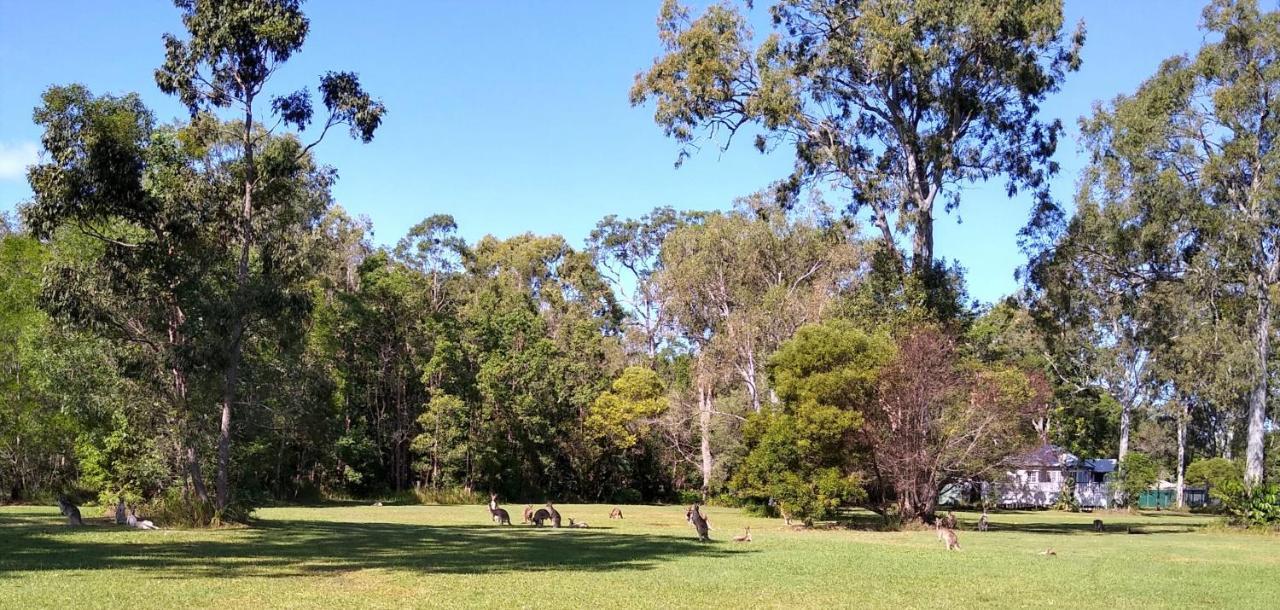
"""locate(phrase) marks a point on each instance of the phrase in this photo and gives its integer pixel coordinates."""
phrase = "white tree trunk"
(1183, 414)
(1258, 394)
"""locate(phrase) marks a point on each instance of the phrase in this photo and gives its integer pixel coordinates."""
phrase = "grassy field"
(397, 556)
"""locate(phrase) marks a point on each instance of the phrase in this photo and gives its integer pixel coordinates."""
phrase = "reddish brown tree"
(938, 418)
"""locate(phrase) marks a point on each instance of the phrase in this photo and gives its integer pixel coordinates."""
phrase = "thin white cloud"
(15, 157)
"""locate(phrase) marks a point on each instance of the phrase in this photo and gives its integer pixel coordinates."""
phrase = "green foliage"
(1138, 473)
(800, 453)
(894, 101)
(1258, 505)
(619, 414)
(1067, 496)
(444, 496)
(1214, 472)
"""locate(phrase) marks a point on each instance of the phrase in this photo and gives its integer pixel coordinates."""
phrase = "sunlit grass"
(397, 556)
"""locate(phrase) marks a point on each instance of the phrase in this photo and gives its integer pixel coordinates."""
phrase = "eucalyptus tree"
(233, 49)
(130, 193)
(736, 285)
(627, 254)
(1187, 171)
(894, 103)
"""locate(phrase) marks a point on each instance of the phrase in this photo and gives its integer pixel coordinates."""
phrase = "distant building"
(1036, 478)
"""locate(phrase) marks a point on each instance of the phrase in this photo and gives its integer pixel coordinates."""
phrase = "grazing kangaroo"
(70, 511)
(1098, 526)
(948, 536)
(745, 537)
(984, 522)
(616, 513)
(699, 522)
(949, 521)
(540, 516)
(555, 515)
(500, 515)
(528, 514)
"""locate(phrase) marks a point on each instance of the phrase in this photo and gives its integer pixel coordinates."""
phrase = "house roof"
(1100, 465)
(1054, 456)
(1046, 455)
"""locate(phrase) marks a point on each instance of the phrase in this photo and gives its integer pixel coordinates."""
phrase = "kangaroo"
(132, 519)
(984, 522)
(699, 522)
(948, 537)
(528, 514)
(1098, 526)
(500, 515)
(949, 521)
(555, 515)
(70, 511)
(121, 511)
(616, 513)
(1049, 552)
(745, 537)
(578, 524)
(540, 516)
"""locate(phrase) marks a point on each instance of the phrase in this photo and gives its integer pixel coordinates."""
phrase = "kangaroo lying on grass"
(745, 537)
(578, 524)
(948, 536)
(70, 511)
(500, 515)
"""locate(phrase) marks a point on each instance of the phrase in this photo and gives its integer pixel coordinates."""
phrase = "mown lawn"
(397, 556)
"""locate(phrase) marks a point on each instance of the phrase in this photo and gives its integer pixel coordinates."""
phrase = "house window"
(1044, 476)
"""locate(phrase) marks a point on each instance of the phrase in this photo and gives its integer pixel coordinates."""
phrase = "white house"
(1035, 479)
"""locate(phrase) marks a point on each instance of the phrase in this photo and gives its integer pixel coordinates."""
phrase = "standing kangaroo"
(500, 515)
(540, 516)
(528, 514)
(694, 516)
(555, 515)
(616, 513)
(1098, 526)
(948, 536)
(949, 521)
(983, 522)
(70, 511)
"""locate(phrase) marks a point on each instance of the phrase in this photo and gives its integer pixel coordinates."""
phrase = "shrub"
(1067, 497)
(1138, 473)
(1214, 472)
(1250, 506)
(689, 496)
(448, 495)
(627, 496)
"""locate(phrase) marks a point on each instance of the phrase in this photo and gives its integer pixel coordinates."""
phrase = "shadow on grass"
(276, 549)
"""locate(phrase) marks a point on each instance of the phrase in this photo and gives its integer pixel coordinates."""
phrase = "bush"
(627, 496)
(1246, 506)
(1214, 472)
(1067, 498)
(1138, 473)
(689, 496)
(448, 495)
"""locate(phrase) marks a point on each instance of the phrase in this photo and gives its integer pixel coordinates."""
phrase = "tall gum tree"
(1190, 160)
(233, 49)
(893, 102)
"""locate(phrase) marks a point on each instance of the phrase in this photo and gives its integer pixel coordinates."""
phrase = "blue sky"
(513, 116)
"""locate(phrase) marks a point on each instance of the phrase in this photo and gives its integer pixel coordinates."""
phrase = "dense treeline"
(184, 307)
